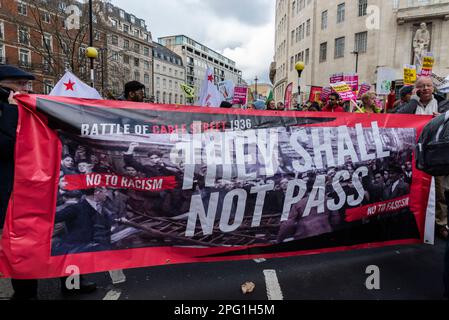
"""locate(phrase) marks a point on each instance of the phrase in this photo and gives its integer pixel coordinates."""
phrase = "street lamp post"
(255, 80)
(300, 66)
(91, 52)
(356, 60)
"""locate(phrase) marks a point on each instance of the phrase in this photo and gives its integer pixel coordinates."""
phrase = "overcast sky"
(242, 30)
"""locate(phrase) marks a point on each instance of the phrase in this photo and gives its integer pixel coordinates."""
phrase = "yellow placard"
(428, 62)
(409, 75)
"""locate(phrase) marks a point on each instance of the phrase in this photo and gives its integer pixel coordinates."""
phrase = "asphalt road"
(406, 273)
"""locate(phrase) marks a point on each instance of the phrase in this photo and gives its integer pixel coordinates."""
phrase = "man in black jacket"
(14, 80)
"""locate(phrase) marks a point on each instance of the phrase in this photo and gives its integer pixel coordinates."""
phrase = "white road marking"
(117, 276)
(273, 288)
(259, 260)
(113, 295)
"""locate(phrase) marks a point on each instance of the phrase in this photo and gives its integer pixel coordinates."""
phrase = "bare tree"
(57, 33)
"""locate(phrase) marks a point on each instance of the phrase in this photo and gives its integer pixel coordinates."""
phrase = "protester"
(332, 104)
(406, 95)
(259, 105)
(281, 106)
(368, 105)
(271, 105)
(14, 80)
(134, 91)
(391, 99)
(423, 102)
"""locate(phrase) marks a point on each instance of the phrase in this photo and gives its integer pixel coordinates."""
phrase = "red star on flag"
(210, 78)
(69, 85)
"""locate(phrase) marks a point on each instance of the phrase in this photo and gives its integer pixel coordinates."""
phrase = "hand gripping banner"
(107, 185)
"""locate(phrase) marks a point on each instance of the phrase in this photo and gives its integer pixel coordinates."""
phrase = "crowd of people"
(76, 208)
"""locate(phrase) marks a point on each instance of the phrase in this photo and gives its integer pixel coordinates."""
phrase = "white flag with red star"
(71, 86)
(210, 96)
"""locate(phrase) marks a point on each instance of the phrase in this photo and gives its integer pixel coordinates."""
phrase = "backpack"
(432, 151)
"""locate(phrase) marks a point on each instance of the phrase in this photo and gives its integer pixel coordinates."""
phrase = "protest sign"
(385, 78)
(352, 79)
(337, 77)
(325, 93)
(240, 95)
(409, 75)
(364, 88)
(288, 96)
(344, 90)
(226, 88)
(164, 185)
(315, 93)
(428, 62)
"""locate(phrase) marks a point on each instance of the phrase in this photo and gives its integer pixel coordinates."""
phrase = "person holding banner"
(12, 81)
(423, 102)
(134, 91)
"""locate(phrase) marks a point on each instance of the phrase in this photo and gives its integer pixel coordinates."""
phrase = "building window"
(158, 82)
(146, 78)
(340, 47)
(114, 40)
(137, 76)
(324, 20)
(2, 30)
(48, 86)
(361, 42)
(146, 65)
(24, 57)
(146, 51)
(2, 54)
(45, 17)
(307, 59)
(323, 52)
(136, 62)
(341, 12)
(308, 25)
(22, 8)
(126, 44)
(136, 48)
(47, 41)
(24, 36)
(125, 59)
(363, 5)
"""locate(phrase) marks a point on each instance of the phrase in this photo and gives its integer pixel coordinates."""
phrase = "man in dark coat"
(14, 80)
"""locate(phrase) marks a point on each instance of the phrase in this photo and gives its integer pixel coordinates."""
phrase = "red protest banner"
(288, 97)
(268, 191)
(315, 94)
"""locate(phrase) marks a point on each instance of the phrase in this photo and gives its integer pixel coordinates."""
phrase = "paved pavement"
(406, 272)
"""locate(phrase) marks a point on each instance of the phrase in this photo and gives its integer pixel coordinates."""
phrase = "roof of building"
(163, 53)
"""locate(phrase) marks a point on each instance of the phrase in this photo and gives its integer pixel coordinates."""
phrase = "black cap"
(406, 90)
(133, 86)
(8, 72)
